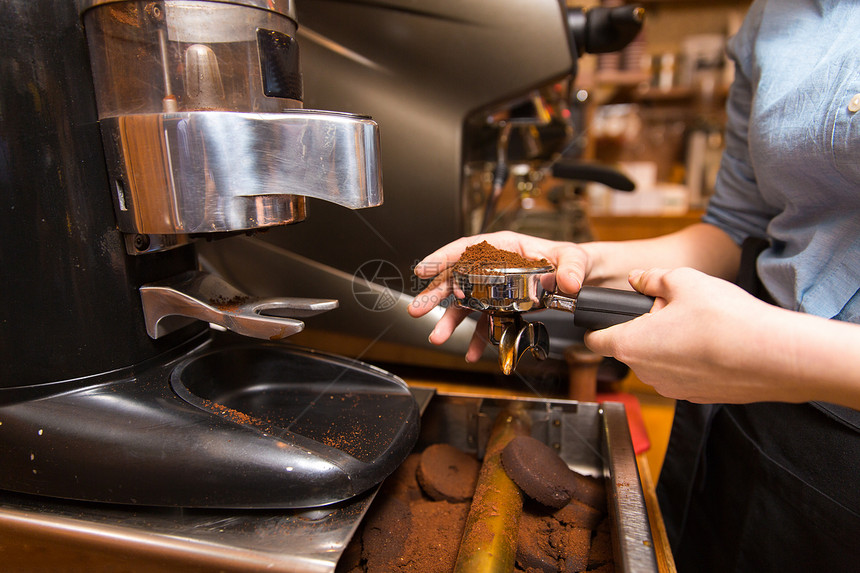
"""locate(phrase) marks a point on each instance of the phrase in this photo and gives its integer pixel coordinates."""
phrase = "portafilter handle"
(593, 308)
(597, 307)
(508, 293)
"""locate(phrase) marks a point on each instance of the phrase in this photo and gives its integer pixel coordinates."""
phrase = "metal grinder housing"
(135, 130)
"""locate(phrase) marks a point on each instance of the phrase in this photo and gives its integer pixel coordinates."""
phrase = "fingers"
(440, 259)
(651, 282)
(610, 341)
(437, 265)
(451, 320)
(447, 324)
(437, 291)
(479, 340)
(527, 246)
(667, 284)
(602, 342)
(569, 259)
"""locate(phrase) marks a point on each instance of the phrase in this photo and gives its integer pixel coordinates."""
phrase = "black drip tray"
(347, 413)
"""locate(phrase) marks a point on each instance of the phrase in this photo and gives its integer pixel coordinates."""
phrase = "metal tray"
(594, 439)
(41, 532)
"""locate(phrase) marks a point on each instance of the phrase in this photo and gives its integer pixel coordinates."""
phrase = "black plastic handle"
(579, 171)
(598, 307)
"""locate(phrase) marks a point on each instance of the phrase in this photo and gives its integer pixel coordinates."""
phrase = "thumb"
(571, 270)
(608, 341)
(666, 285)
(651, 282)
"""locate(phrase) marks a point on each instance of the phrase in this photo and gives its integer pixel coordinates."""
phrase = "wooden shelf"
(621, 77)
(628, 227)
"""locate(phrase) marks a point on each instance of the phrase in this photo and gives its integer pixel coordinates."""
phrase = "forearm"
(809, 357)
(701, 246)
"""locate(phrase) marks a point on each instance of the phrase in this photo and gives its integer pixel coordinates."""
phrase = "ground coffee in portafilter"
(485, 259)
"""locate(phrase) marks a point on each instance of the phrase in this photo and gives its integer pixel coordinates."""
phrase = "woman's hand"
(571, 263)
(706, 340)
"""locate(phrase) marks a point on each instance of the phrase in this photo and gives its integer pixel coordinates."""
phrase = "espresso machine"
(130, 132)
(471, 97)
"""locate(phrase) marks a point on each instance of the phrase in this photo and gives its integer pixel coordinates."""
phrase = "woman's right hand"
(571, 261)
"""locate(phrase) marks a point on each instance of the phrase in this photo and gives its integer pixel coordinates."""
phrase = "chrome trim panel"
(284, 7)
(212, 171)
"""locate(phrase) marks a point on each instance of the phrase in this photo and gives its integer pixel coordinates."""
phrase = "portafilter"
(506, 293)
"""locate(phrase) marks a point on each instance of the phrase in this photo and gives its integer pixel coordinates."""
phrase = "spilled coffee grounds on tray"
(485, 259)
(414, 527)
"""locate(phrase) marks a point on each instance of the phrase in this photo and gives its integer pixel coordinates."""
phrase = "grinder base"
(246, 425)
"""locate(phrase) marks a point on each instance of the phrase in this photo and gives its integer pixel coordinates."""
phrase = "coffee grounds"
(578, 514)
(534, 550)
(547, 546)
(573, 545)
(601, 546)
(485, 259)
(385, 535)
(404, 483)
(432, 546)
(406, 531)
(231, 304)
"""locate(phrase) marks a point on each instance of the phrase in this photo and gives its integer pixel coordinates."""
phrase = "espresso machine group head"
(130, 131)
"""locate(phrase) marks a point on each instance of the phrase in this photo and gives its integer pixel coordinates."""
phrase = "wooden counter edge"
(662, 550)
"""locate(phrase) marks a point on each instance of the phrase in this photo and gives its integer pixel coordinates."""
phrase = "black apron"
(763, 487)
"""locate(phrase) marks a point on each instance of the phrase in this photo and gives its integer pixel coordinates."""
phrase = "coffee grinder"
(129, 132)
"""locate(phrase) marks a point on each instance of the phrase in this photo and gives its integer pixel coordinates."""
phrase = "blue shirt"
(791, 168)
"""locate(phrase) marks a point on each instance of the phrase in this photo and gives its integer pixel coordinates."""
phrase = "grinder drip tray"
(244, 425)
(340, 426)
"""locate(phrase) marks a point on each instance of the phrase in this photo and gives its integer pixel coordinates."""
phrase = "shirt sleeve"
(737, 206)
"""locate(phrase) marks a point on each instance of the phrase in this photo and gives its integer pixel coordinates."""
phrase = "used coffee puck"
(589, 490)
(447, 473)
(538, 471)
